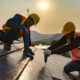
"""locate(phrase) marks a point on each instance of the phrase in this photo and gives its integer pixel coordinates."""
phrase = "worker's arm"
(66, 48)
(15, 22)
(55, 45)
(58, 43)
(29, 39)
(26, 45)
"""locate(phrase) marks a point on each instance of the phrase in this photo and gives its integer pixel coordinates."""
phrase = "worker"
(72, 38)
(17, 27)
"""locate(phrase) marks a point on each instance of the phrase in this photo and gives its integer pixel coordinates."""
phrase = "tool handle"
(45, 57)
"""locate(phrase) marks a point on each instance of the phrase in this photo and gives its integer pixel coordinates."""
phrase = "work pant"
(9, 36)
(72, 66)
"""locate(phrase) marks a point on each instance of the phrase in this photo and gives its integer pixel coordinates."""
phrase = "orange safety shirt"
(76, 51)
(21, 32)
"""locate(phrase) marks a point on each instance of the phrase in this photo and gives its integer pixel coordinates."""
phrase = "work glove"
(29, 55)
(47, 52)
(26, 31)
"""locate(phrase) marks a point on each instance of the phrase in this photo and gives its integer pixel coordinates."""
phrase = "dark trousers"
(72, 66)
(9, 36)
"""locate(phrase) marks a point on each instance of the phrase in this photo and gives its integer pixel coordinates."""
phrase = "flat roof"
(11, 65)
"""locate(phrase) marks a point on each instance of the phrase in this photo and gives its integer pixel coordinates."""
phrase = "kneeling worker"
(17, 27)
(72, 38)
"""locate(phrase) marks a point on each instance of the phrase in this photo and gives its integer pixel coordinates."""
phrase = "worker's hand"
(26, 31)
(47, 52)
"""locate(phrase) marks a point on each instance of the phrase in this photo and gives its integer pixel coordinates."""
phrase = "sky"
(52, 18)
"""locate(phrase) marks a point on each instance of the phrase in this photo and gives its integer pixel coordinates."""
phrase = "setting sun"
(43, 5)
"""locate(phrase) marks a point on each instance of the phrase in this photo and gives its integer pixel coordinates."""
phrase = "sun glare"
(43, 5)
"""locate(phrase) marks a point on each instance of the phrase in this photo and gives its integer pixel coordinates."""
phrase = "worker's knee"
(66, 69)
(16, 30)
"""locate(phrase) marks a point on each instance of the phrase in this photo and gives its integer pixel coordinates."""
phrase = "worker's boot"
(31, 52)
(7, 46)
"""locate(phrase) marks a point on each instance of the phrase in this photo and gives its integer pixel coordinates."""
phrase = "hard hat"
(35, 18)
(68, 27)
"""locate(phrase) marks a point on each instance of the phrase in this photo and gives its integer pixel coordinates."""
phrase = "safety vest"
(21, 32)
(76, 51)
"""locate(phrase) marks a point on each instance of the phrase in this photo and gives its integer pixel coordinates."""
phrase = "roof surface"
(16, 66)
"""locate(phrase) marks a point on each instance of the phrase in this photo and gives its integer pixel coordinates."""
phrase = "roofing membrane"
(12, 66)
